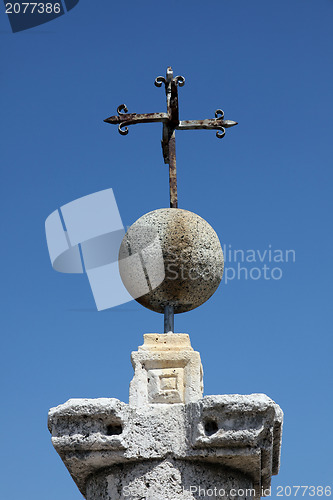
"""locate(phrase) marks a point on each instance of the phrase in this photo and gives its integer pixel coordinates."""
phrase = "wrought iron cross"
(171, 123)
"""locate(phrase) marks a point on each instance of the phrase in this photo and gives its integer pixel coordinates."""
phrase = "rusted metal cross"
(171, 123)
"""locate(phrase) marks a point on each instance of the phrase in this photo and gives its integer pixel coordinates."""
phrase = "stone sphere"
(171, 257)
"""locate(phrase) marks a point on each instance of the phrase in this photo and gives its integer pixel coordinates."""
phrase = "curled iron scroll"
(220, 134)
(221, 130)
(159, 81)
(219, 114)
(122, 129)
(180, 80)
(122, 109)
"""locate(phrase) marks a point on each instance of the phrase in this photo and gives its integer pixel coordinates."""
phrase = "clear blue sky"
(268, 64)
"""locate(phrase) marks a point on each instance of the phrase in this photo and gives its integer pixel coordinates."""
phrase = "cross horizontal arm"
(138, 118)
(209, 124)
(217, 123)
(124, 119)
(206, 124)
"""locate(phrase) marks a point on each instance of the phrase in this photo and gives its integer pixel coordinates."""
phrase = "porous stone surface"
(218, 441)
(166, 370)
(172, 257)
(169, 443)
(169, 480)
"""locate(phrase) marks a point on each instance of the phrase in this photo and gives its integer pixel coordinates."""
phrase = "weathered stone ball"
(171, 257)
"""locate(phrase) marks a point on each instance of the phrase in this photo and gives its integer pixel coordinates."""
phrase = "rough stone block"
(166, 370)
(169, 442)
(219, 437)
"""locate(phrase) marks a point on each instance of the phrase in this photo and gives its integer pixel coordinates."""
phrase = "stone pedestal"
(166, 370)
(169, 443)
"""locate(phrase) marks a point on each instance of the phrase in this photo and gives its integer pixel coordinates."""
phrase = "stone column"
(169, 442)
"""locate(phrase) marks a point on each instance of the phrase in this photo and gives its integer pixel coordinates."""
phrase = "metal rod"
(168, 319)
(173, 171)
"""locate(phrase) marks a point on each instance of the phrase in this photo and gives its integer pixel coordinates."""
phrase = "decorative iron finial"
(171, 123)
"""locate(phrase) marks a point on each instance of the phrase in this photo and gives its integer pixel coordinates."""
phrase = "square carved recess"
(166, 385)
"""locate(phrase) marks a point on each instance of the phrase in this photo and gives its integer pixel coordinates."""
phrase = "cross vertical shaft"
(169, 153)
(169, 127)
(169, 136)
(173, 171)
